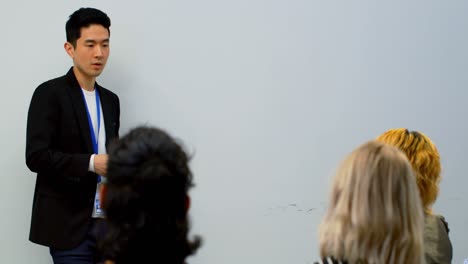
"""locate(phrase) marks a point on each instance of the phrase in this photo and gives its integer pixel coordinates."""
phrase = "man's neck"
(85, 82)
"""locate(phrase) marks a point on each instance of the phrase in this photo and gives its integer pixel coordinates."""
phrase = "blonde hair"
(424, 158)
(375, 214)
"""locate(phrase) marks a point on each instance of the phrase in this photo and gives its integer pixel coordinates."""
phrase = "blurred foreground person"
(146, 200)
(375, 214)
(425, 160)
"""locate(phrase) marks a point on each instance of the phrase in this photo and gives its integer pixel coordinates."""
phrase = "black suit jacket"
(58, 149)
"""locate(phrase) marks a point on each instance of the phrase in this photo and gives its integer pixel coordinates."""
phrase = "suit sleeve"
(43, 124)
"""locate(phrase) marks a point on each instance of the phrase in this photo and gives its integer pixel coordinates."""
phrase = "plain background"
(268, 95)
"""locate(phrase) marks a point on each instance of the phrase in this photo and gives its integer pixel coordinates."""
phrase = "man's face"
(91, 51)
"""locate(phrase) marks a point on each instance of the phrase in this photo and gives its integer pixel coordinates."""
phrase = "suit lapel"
(78, 105)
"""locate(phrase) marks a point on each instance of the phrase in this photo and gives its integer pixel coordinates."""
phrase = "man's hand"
(100, 164)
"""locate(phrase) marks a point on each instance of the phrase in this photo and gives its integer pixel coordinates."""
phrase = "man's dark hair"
(84, 17)
(146, 199)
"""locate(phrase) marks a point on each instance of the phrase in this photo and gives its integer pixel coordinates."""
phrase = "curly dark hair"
(82, 18)
(146, 199)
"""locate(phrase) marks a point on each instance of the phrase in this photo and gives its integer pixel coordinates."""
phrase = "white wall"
(269, 95)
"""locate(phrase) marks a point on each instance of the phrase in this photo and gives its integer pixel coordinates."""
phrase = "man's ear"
(102, 194)
(69, 49)
(187, 203)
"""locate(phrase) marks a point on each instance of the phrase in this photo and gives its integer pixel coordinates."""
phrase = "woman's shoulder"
(437, 244)
(436, 222)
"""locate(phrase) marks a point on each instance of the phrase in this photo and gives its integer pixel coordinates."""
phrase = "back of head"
(146, 199)
(374, 214)
(424, 158)
(83, 18)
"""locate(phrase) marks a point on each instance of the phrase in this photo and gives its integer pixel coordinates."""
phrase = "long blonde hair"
(424, 158)
(375, 213)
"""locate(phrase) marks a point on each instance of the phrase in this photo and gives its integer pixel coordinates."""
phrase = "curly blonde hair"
(375, 214)
(424, 158)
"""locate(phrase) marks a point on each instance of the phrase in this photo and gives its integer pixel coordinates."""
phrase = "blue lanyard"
(94, 139)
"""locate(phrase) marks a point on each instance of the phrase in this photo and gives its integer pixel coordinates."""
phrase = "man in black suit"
(71, 120)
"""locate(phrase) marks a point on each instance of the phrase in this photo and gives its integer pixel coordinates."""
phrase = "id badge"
(97, 201)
